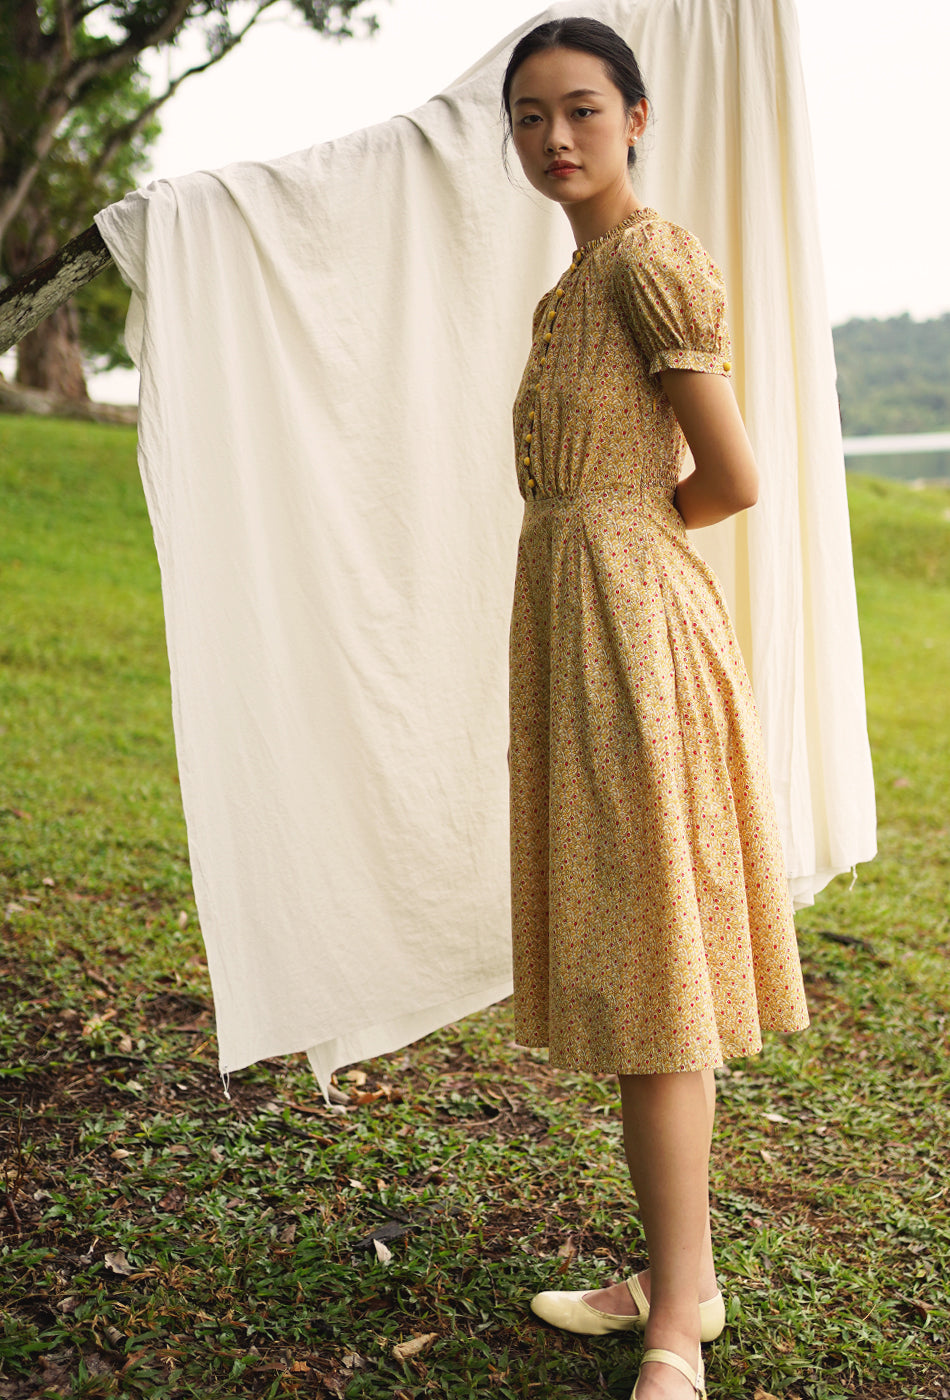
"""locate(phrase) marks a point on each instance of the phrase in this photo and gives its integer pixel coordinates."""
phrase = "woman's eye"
(529, 120)
(583, 111)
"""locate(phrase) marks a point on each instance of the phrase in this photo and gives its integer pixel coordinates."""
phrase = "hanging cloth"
(329, 344)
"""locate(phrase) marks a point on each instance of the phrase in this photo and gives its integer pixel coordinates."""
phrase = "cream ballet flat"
(569, 1311)
(694, 1374)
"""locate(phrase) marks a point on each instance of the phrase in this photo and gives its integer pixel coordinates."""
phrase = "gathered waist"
(615, 498)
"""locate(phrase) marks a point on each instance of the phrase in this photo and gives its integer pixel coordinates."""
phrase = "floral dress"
(652, 927)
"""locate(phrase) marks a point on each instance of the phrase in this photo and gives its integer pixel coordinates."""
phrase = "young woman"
(653, 932)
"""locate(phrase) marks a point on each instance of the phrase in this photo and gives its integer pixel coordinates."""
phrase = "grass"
(160, 1241)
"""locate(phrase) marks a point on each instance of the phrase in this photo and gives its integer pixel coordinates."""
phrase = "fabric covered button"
(526, 461)
(547, 335)
(530, 483)
(727, 365)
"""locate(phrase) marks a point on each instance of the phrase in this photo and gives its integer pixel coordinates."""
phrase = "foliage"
(77, 116)
(52, 63)
(83, 173)
(168, 1243)
(894, 375)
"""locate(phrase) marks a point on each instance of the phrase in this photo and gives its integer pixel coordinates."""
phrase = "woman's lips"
(561, 168)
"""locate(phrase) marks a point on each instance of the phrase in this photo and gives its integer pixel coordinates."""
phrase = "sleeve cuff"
(705, 361)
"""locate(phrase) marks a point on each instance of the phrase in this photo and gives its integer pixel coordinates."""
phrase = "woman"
(653, 932)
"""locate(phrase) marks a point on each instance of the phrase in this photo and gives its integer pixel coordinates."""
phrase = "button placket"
(546, 339)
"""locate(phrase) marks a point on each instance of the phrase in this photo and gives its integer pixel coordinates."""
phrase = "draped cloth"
(329, 345)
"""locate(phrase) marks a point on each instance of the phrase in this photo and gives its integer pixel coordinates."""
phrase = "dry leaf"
(300, 1366)
(125, 1045)
(356, 1077)
(383, 1253)
(182, 919)
(567, 1253)
(352, 1360)
(96, 1023)
(286, 1235)
(776, 1118)
(764, 1395)
(117, 1262)
(766, 1156)
(403, 1350)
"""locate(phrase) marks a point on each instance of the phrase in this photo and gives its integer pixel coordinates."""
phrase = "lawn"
(161, 1241)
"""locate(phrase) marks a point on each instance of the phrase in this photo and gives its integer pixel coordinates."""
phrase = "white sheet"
(329, 344)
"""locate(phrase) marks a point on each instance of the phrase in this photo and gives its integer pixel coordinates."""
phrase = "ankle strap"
(670, 1358)
(636, 1292)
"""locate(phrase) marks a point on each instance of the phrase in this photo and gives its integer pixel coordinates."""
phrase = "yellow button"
(559, 292)
(526, 461)
(528, 437)
(547, 335)
(531, 416)
(727, 365)
(551, 315)
(530, 482)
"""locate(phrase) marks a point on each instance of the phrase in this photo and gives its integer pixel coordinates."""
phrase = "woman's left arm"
(726, 479)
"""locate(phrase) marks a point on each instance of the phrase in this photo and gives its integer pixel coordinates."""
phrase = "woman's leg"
(666, 1128)
(617, 1299)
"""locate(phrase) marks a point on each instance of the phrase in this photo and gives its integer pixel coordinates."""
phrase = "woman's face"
(569, 125)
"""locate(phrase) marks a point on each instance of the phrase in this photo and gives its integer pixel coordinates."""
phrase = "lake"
(905, 456)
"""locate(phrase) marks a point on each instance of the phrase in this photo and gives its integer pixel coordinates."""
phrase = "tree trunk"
(49, 357)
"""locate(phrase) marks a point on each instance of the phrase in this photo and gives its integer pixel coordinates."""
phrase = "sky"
(875, 75)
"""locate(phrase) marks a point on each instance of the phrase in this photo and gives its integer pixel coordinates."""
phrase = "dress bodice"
(591, 414)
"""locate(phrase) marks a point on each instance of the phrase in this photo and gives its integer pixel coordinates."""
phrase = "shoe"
(695, 1375)
(569, 1311)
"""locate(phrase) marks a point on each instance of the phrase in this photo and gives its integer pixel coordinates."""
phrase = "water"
(902, 456)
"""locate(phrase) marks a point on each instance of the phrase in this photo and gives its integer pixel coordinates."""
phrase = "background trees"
(76, 119)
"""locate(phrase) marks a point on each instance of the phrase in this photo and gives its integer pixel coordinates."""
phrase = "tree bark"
(38, 293)
(50, 356)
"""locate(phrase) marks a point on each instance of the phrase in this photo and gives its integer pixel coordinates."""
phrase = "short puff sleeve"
(672, 298)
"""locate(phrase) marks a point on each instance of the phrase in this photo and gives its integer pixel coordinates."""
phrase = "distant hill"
(894, 375)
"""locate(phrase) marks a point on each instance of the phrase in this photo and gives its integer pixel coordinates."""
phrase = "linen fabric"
(329, 346)
(652, 923)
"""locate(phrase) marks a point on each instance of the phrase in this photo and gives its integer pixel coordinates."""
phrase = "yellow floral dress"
(651, 918)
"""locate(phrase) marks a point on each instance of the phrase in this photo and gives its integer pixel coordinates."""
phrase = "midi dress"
(652, 925)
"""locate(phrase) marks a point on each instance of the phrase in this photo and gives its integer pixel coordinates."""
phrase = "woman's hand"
(726, 479)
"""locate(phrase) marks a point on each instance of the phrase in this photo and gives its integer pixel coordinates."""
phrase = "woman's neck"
(595, 217)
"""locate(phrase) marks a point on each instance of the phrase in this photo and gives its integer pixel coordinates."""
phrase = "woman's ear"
(637, 121)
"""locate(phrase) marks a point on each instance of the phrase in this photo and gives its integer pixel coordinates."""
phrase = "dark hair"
(586, 36)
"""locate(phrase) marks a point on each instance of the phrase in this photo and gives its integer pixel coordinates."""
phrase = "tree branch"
(29, 300)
